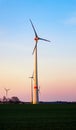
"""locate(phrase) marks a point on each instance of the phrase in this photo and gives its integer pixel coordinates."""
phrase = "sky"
(54, 20)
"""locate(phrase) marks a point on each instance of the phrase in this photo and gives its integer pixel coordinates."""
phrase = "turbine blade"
(34, 48)
(30, 77)
(33, 28)
(44, 39)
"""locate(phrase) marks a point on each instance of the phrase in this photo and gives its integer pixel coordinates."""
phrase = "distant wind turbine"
(35, 93)
(6, 90)
(31, 88)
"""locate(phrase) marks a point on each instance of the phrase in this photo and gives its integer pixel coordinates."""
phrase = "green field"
(36, 117)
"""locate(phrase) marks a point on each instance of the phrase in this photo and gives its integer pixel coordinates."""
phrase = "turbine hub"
(36, 38)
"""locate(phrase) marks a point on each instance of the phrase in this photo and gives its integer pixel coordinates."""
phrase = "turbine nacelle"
(36, 39)
(31, 77)
(6, 89)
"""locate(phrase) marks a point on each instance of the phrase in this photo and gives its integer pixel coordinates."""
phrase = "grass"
(36, 117)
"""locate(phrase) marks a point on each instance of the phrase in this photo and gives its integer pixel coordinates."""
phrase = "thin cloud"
(71, 21)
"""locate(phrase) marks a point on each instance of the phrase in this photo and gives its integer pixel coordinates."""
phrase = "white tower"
(35, 91)
(31, 88)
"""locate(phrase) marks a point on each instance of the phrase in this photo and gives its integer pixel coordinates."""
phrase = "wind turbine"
(35, 92)
(6, 90)
(31, 88)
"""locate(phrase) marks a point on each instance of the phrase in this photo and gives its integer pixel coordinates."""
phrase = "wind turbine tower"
(31, 88)
(35, 91)
(6, 90)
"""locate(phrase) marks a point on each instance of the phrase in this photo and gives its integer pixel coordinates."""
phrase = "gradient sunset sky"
(54, 20)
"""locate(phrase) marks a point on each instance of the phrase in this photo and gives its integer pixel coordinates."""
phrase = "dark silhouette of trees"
(14, 99)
